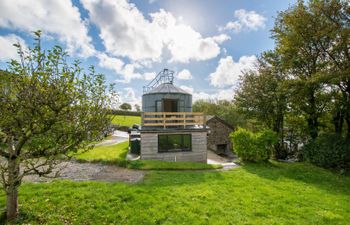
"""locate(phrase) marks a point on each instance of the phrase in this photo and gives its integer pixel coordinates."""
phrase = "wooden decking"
(173, 119)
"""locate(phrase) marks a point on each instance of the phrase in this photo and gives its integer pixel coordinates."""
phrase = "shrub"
(124, 113)
(253, 147)
(328, 151)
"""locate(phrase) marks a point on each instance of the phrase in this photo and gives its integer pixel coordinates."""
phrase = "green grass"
(105, 153)
(162, 165)
(115, 154)
(126, 120)
(276, 193)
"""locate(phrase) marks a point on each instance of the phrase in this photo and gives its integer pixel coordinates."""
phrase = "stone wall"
(219, 135)
(149, 147)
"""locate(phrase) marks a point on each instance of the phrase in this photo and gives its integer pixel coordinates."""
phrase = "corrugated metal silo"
(163, 96)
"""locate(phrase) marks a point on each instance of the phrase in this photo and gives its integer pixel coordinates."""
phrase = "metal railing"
(164, 76)
(173, 119)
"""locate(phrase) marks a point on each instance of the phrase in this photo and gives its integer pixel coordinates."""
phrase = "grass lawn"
(126, 120)
(115, 154)
(275, 193)
(105, 153)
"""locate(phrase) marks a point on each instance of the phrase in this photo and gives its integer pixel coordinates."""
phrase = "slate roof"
(210, 117)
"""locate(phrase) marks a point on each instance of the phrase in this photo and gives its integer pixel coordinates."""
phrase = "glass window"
(174, 142)
(159, 106)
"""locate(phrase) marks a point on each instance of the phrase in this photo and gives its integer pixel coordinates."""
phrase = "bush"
(124, 113)
(253, 147)
(328, 151)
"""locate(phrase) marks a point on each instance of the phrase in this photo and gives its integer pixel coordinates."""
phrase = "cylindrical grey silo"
(167, 97)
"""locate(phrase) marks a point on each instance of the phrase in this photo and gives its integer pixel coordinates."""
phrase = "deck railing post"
(164, 121)
(142, 120)
(184, 116)
(204, 120)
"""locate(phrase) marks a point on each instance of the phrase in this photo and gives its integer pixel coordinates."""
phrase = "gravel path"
(227, 163)
(117, 137)
(73, 170)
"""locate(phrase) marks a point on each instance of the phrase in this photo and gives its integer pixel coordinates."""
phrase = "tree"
(49, 110)
(125, 106)
(334, 17)
(298, 43)
(262, 95)
(226, 110)
(137, 107)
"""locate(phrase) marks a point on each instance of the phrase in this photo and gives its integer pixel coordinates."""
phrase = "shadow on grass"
(168, 173)
(302, 172)
(22, 216)
(154, 165)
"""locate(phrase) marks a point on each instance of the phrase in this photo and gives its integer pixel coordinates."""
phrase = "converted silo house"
(170, 131)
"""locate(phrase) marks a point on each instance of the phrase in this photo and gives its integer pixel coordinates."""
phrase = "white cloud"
(8, 51)
(227, 72)
(225, 94)
(126, 32)
(149, 75)
(126, 71)
(221, 38)
(245, 20)
(184, 75)
(59, 19)
(110, 62)
(221, 94)
(182, 41)
(188, 89)
(128, 95)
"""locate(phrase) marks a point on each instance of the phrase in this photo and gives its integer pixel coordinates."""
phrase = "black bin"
(135, 146)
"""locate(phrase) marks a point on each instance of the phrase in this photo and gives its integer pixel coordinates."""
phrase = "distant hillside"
(127, 121)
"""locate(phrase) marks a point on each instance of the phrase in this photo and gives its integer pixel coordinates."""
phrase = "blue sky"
(207, 43)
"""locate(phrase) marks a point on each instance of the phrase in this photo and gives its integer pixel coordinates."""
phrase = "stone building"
(219, 137)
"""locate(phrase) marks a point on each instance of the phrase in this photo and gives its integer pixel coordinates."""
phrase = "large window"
(174, 142)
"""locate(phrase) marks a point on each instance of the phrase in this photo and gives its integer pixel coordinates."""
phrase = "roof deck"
(173, 120)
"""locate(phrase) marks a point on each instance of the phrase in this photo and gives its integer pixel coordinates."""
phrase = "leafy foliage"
(125, 106)
(262, 94)
(302, 87)
(329, 151)
(253, 147)
(49, 108)
(224, 109)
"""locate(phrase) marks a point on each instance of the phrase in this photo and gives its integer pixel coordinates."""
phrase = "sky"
(207, 43)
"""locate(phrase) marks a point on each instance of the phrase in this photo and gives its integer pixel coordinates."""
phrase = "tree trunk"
(280, 151)
(12, 189)
(338, 120)
(312, 120)
(348, 132)
(12, 203)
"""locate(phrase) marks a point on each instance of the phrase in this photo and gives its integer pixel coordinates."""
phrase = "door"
(170, 105)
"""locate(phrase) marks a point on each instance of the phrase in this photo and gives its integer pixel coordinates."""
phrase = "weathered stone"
(219, 137)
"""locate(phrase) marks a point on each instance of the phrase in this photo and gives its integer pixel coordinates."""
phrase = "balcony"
(170, 120)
